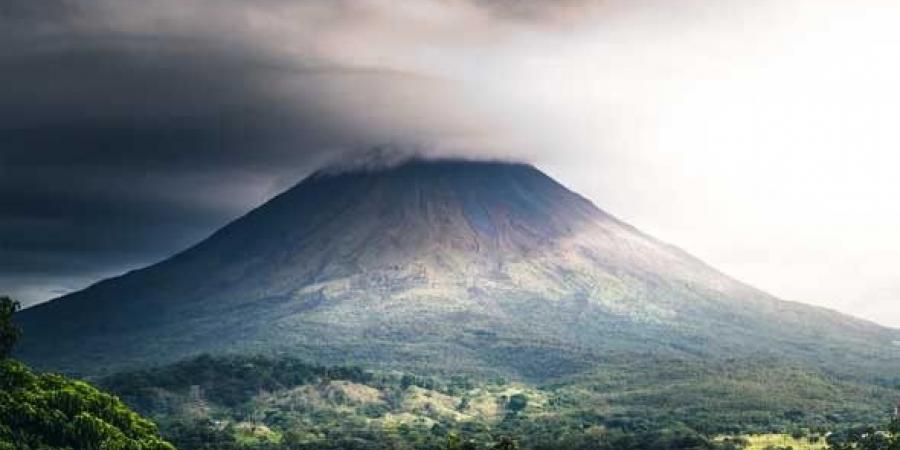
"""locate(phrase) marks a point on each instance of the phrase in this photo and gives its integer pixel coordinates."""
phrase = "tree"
(517, 402)
(505, 443)
(406, 381)
(50, 412)
(867, 438)
(9, 333)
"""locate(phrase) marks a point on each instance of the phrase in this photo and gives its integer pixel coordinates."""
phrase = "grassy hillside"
(774, 441)
(256, 402)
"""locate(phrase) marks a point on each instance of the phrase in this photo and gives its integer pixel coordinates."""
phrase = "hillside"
(262, 403)
(443, 267)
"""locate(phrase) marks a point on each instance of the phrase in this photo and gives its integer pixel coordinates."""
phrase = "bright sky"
(765, 140)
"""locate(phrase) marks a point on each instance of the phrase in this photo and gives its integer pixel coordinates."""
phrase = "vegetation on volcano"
(283, 403)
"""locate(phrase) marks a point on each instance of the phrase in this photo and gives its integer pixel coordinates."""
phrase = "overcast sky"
(762, 136)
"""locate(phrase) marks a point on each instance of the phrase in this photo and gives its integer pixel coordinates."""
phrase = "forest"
(257, 402)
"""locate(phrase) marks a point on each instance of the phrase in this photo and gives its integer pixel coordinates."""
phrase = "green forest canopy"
(40, 411)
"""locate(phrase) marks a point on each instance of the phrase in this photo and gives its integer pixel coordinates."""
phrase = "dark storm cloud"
(129, 130)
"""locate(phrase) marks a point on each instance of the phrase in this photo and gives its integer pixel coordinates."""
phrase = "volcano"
(440, 265)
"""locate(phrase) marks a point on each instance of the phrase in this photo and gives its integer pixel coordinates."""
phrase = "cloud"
(129, 129)
(759, 135)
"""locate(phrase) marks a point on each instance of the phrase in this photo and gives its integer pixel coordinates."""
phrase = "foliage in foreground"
(49, 411)
(52, 412)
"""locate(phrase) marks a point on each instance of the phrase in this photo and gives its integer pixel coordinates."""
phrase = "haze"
(760, 136)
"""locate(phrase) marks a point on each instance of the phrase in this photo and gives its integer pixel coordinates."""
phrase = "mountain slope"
(482, 267)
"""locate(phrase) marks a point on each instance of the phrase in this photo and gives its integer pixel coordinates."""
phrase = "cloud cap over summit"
(756, 134)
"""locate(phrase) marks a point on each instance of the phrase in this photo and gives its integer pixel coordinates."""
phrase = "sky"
(761, 136)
